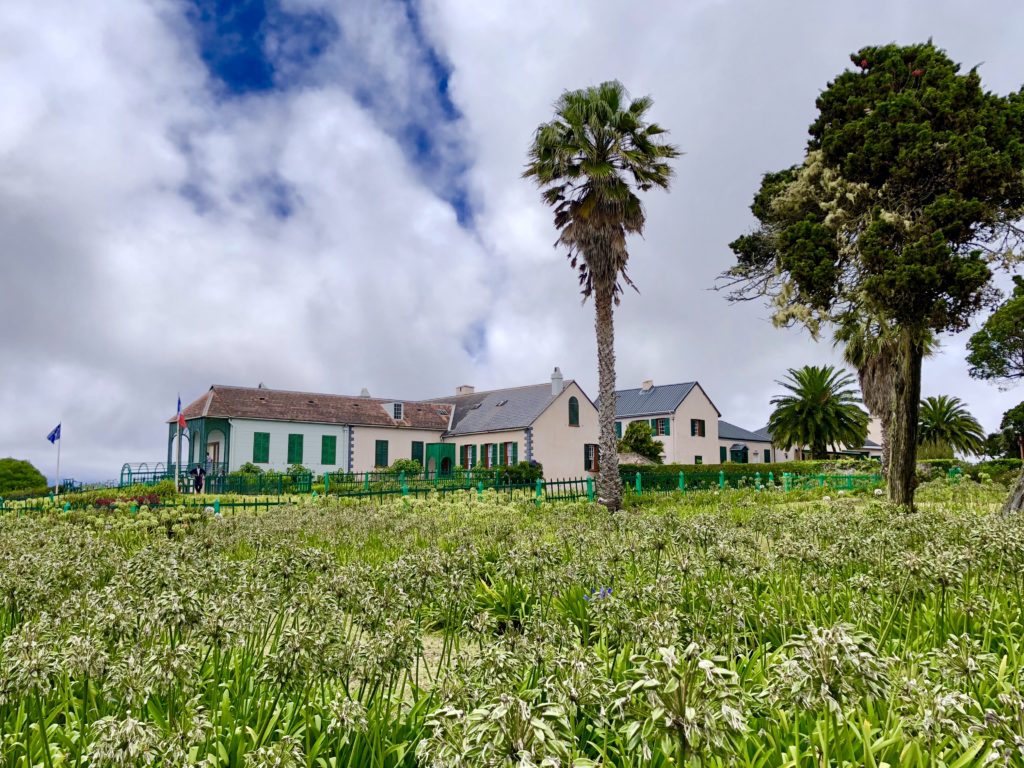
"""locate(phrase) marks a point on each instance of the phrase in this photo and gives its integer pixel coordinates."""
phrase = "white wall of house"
(682, 446)
(242, 437)
(558, 446)
(399, 439)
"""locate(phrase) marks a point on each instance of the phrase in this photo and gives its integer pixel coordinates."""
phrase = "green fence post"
(590, 489)
(785, 481)
(637, 484)
(366, 481)
(134, 508)
(821, 481)
(771, 479)
(327, 483)
(280, 486)
(405, 487)
(540, 490)
(67, 507)
(721, 478)
(480, 489)
(216, 507)
(757, 480)
(682, 482)
(401, 477)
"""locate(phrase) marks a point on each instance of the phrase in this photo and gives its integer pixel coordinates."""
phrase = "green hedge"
(831, 467)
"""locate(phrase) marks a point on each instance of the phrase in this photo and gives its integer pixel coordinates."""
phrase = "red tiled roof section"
(279, 405)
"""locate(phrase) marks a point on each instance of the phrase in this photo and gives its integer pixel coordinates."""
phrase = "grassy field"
(741, 628)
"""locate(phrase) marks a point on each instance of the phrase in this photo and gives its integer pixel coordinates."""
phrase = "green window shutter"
(294, 449)
(723, 454)
(483, 454)
(693, 427)
(417, 451)
(261, 448)
(767, 455)
(574, 412)
(472, 456)
(495, 462)
(328, 450)
(654, 427)
(380, 453)
(586, 457)
(668, 430)
(618, 430)
(515, 453)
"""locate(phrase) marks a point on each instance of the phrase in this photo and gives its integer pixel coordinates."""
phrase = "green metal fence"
(663, 482)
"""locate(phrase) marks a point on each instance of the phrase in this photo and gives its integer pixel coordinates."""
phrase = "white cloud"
(117, 290)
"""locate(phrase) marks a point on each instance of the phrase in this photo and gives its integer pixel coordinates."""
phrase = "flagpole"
(177, 464)
(57, 486)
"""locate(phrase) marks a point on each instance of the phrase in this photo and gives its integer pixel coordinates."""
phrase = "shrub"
(522, 473)
(409, 466)
(298, 469)
(249, 469)
(16, 474)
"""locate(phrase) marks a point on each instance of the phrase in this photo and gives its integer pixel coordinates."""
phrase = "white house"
(554, 423)
(681, 416)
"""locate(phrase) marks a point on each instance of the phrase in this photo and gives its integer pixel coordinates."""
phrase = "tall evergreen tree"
(911, 182)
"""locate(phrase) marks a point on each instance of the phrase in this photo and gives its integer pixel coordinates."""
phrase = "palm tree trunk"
(903, 427)
(609, 486)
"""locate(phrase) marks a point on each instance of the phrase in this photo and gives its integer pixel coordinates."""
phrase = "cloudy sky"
(325, 195)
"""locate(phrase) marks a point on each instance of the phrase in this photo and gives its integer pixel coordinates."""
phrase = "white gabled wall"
(243, 430)
(399, 440)
(556, 445)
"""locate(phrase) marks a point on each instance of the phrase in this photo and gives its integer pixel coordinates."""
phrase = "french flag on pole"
(181, 416)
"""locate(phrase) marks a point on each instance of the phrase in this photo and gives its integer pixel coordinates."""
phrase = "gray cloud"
(157, 239)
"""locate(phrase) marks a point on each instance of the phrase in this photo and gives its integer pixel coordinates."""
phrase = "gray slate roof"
(656, 400)
(727, 431)
(481, 412)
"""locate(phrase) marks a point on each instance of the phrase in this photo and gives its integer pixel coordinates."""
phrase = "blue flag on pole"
(54, 435)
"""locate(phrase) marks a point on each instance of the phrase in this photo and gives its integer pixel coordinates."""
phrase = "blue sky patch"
(233, 35)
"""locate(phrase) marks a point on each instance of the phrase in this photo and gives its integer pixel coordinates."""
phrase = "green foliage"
(639, 440)
(945, 424)
(714, 630)
(409, 466)
(912, 174)
(17, 475)
(522, 473)
(249, 469)
(821, 410)
(297, 469)
(996, 351)
(588, 160)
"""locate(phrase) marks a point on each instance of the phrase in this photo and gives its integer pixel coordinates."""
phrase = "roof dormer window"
(397, 411)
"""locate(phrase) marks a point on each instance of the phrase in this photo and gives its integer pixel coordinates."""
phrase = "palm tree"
(945, 421)
(590, 161)
(821, 411)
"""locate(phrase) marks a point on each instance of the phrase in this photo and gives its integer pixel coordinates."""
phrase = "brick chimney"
(465, 389)
(647, 385)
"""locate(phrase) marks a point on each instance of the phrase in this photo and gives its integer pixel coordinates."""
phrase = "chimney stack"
(465, 389)
(648, 385)
(365, 392)
(556, 382)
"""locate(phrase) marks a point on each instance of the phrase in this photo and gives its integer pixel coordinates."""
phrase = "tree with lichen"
(908, 191)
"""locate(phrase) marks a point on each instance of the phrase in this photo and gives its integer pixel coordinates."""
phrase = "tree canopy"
(821, 411)
(945, 421)
(18, 475)
(639, 439)
(996, 351)
(909, 188)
